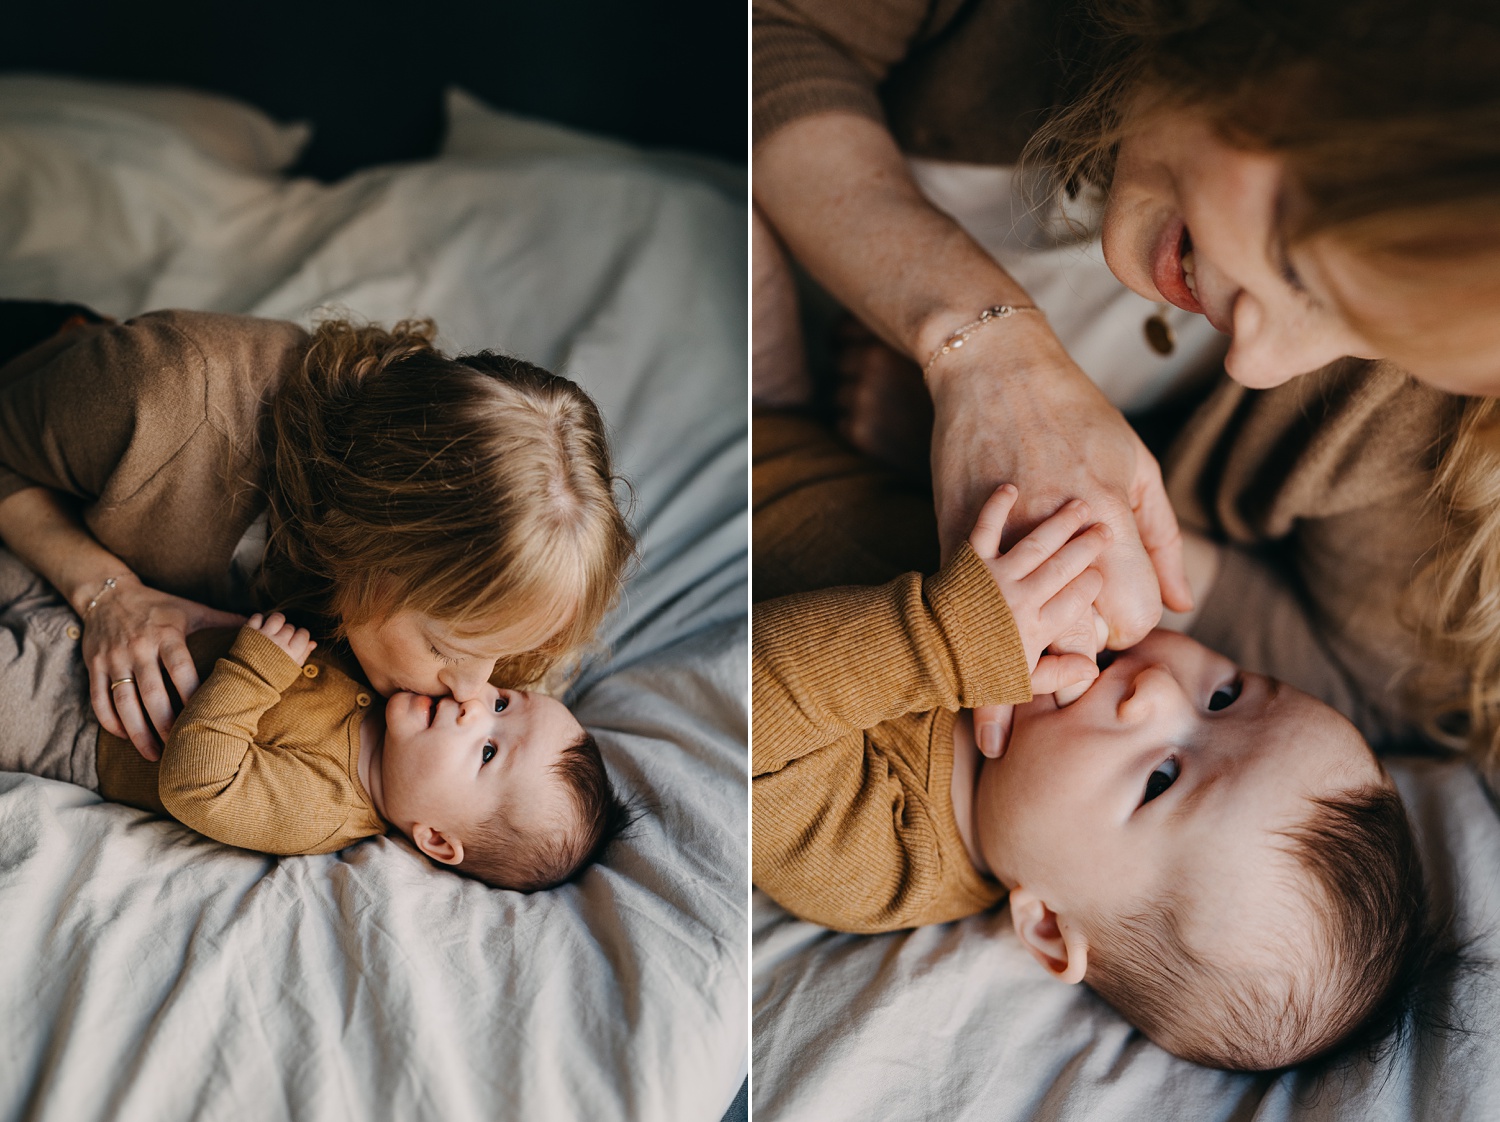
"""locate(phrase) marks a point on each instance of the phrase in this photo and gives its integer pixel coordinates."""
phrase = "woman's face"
(1196, 222)
(414, 652)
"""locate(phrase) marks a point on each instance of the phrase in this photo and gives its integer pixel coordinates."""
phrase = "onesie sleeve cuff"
(989, 659)
(265, 659)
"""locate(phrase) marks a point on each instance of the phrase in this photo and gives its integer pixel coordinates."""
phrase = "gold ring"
(120, 682)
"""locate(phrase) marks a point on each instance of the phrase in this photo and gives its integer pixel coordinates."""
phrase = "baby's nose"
(1149, 690)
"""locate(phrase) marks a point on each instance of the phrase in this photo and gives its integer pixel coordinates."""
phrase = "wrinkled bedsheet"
(146, 973)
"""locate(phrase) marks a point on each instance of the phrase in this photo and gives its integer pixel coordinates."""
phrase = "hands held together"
(1049, 583)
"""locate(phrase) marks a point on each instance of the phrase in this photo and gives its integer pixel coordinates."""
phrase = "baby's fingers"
(1032, 551)
(1065, 609)
(1060, 671)
(989, 527)
(1053, 574)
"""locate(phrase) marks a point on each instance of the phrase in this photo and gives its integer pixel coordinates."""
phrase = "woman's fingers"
(104, 706)
(155, 700)
(1161, 537)
(202, 616)
(1051, 535)
(989, 527)
(181, 669)
(127, 704)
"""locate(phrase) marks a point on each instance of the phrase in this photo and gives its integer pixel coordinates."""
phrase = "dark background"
(370, 76)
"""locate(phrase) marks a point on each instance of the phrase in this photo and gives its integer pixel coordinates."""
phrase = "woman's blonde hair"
(1454, 602)
(1387, 114)
(477, 490)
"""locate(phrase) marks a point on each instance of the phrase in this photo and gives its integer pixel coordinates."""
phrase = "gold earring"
(1159, 334)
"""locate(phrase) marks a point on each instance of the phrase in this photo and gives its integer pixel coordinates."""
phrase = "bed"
(151, 974)
(957, 1022)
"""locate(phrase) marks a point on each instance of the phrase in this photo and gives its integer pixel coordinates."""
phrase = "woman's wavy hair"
(1387, 113)
(477, 490)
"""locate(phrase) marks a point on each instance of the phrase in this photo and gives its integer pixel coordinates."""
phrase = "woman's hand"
(1011, 405)
(132, 633)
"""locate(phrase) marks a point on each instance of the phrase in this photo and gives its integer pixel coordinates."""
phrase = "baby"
(285, 752)
(1219, 855)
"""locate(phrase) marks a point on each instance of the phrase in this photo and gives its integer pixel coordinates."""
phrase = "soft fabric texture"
(153, 974)
(153, 425)
(1319, 488)
(265, 756)
(962, 80)
(855, 691)
(47, 726)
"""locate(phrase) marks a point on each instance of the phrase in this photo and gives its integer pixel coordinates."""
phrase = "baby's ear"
(1063, 952)
(437, 845)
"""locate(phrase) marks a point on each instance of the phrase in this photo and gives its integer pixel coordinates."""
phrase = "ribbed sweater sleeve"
(853, 812)
(820, 56)
(217, 778)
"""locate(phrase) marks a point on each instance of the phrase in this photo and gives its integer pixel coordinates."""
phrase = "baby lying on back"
(287, 752)
(1219, 855)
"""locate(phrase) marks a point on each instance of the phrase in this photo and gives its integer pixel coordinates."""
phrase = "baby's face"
(451, 765)
(1174, 770)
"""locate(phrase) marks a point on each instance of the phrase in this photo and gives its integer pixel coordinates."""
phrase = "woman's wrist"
(96, 585)
(1006, 349)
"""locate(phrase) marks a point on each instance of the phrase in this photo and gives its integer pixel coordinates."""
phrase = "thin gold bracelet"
(961, 336)
(109, 586)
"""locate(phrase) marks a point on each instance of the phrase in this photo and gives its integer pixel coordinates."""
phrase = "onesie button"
(310, 670)
(362, 700)
(73, 631)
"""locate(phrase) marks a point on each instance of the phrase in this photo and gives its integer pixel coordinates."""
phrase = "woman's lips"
(1166, 269)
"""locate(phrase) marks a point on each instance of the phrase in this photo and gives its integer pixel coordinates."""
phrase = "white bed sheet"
(149, 974)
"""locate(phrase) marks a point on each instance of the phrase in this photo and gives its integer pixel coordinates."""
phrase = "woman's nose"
(1277, 339)
(465, 682)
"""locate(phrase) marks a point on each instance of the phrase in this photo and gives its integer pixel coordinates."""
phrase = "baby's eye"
(501, 704)
(489, 750)
(1225, 696)
(1160, 779)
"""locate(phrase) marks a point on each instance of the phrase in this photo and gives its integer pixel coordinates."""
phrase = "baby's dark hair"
(1375, 944)
(504, 857)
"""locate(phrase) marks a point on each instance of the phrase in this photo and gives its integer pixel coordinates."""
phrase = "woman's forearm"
(838, 192)
(40, 527)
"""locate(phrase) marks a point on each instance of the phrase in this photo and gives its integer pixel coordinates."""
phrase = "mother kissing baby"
(438, 522)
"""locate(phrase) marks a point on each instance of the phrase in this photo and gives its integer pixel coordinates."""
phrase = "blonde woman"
(1323, 184)
(450, 519)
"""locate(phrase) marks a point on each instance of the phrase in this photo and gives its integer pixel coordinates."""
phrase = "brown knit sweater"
(265, 755)
(1320, 488)
(153, 426)
(964, 80)
(855, 693)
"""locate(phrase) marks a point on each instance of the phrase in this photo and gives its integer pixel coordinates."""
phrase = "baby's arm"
(212, 777)
(850, 825)
(847, 822)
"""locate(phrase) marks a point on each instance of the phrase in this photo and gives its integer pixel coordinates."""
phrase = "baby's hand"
(1046, 580)
(295, 641)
